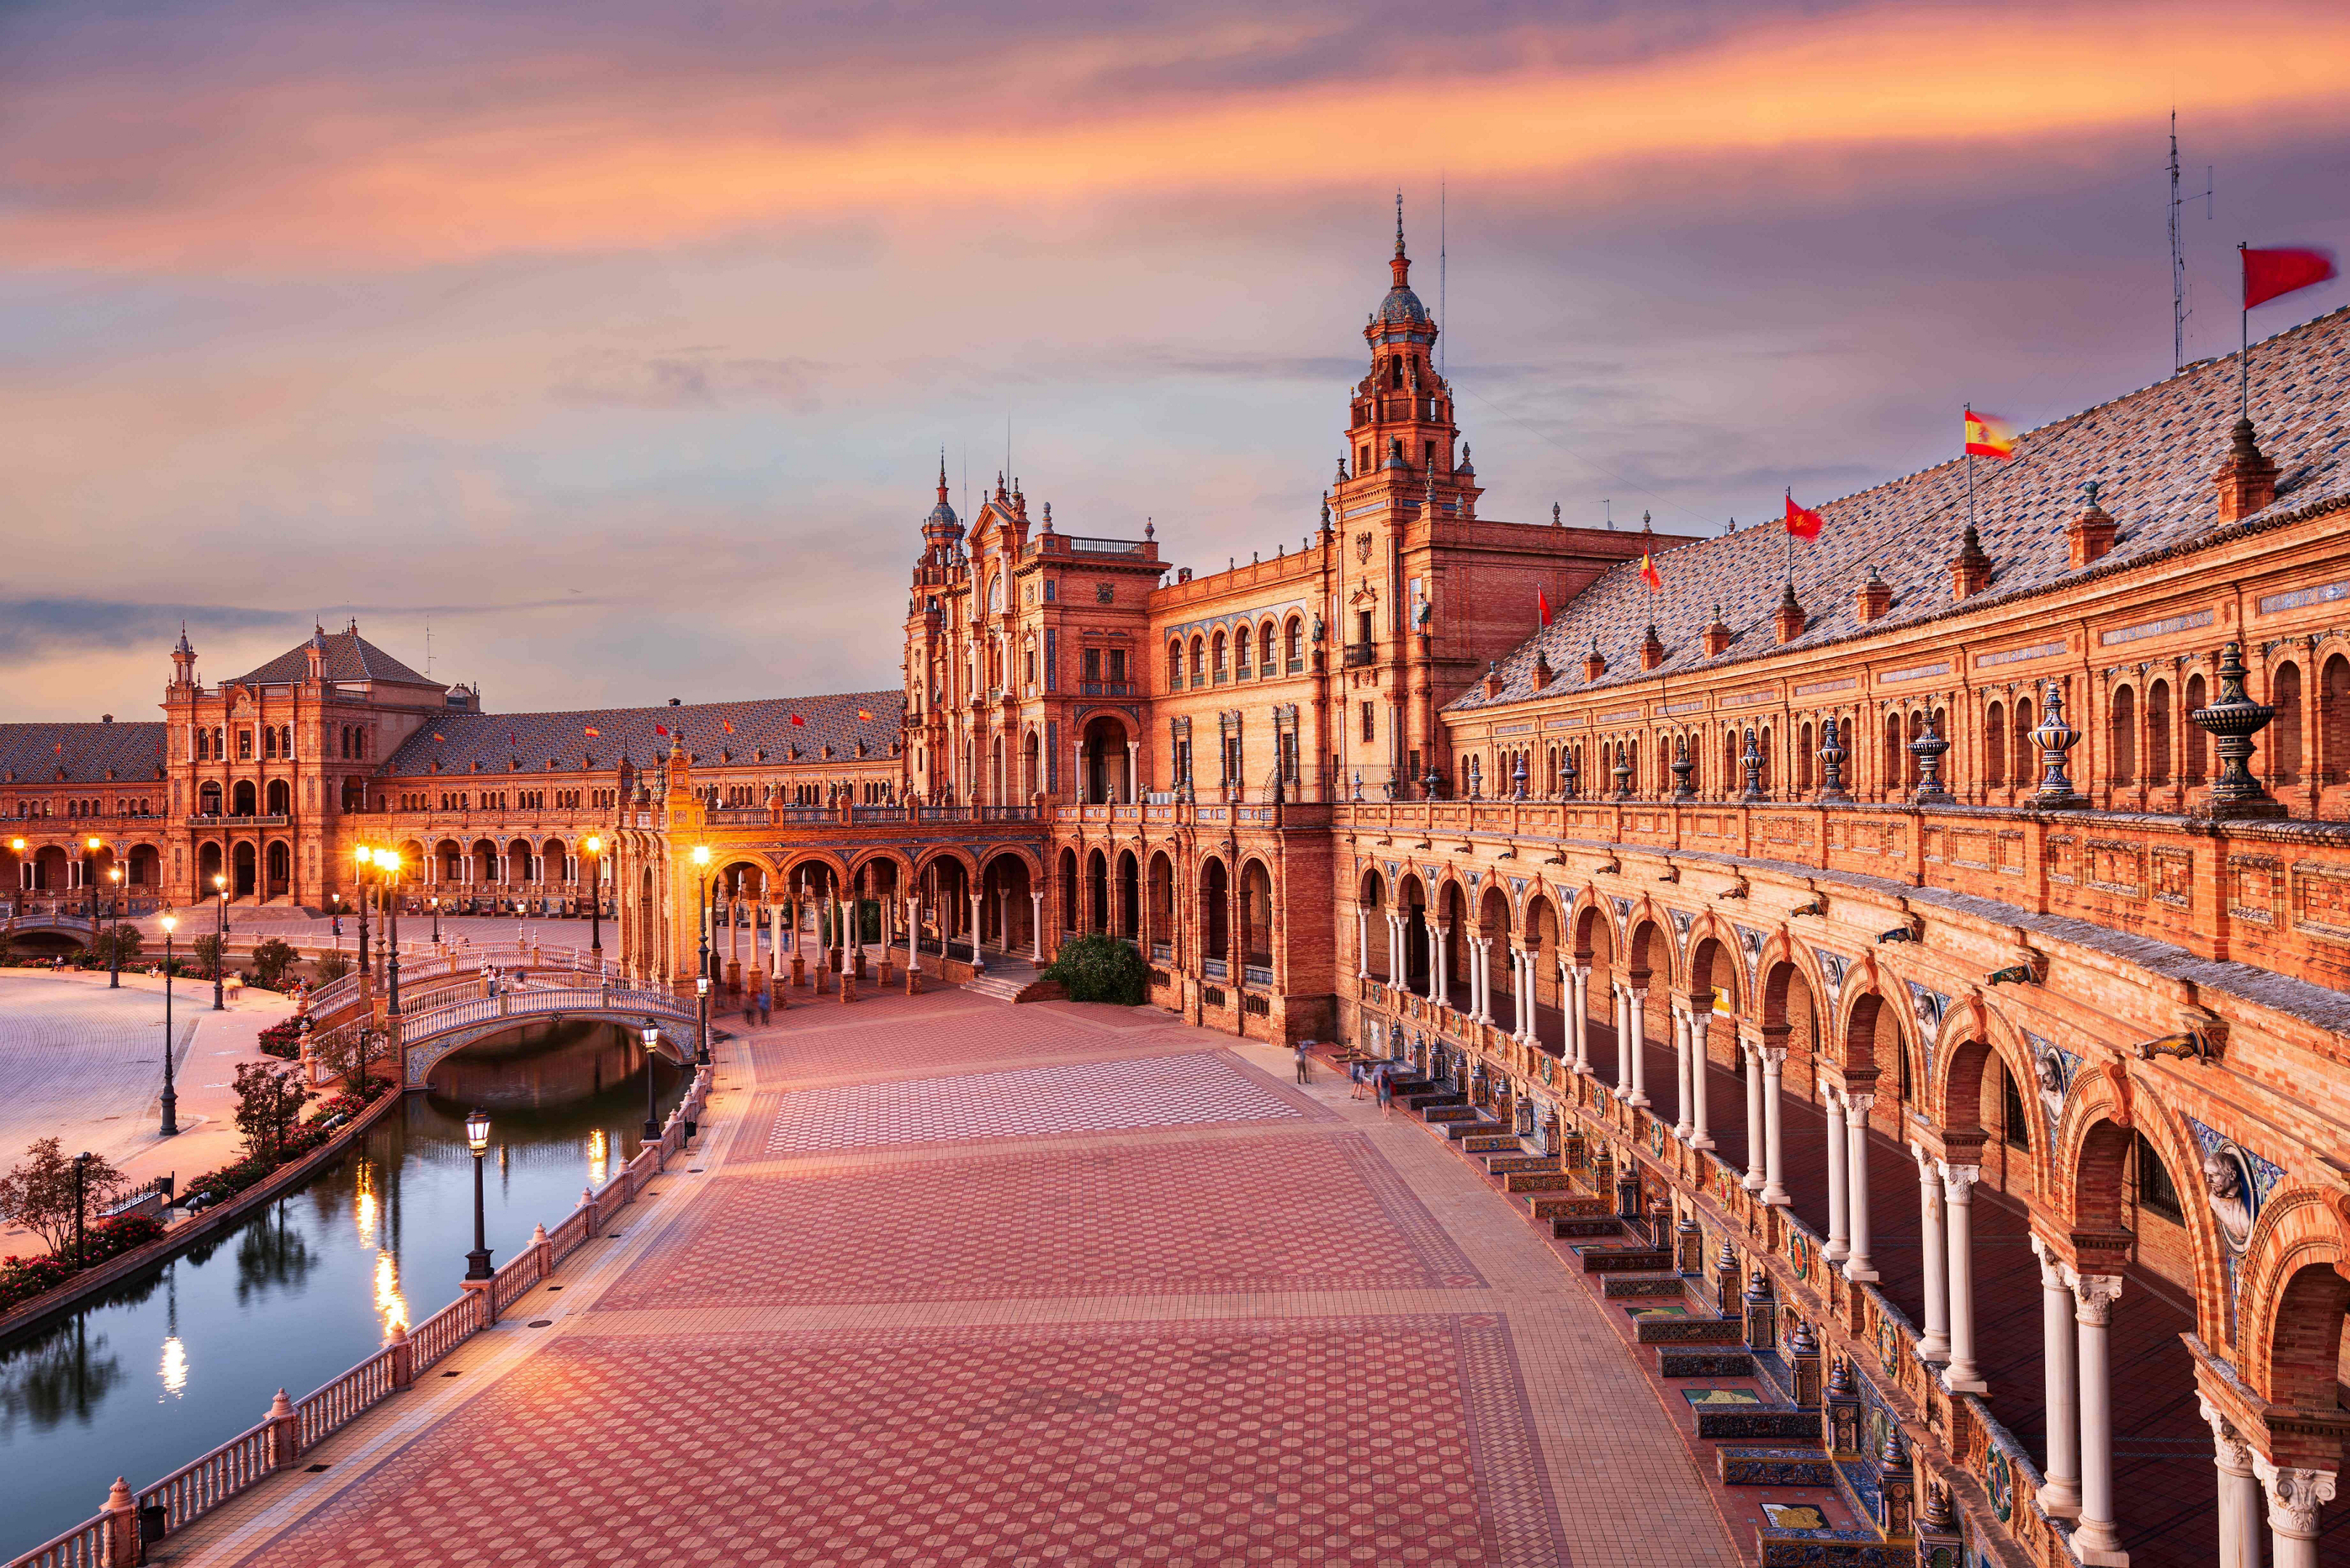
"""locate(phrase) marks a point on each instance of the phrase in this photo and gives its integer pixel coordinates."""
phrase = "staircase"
(1012, 980)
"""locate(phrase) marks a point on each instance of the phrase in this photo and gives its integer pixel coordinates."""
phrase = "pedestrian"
(1355, 1076)
(1385, 1083)
(766, 1005)
(1304, 1061)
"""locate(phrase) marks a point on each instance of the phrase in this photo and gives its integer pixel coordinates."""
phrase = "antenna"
(2178, 311)
(428, 645)
(1443, 316)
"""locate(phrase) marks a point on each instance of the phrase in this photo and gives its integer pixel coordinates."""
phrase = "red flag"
(797, 719)
(1988, 435)
(1802, 521)
(661, 729)
(1542, 603)
(510, 739)
(59, 748)
(592, 729)
(1648, 573)
(2268, 273)
(439, 736)
(865, 714)
(729, 723)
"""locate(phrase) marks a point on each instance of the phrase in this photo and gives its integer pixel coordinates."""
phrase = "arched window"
(1804, 759)
(1995, 745)
(2158, 733)
(1174, 666)
(2284, 750)
(2332, 721)
(2121, 736)
(2195, 749)
(1219, 665)
(1199, 660)
(1241, 641)
(1296, 637)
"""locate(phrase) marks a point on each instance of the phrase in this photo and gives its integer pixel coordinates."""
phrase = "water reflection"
(296, 1293)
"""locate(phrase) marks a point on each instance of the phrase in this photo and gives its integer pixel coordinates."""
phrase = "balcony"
(217, 820)
(1106, 689)
(1359, 654)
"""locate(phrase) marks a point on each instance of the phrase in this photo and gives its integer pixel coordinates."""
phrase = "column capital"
(1958, 1181)
(2232, 1451)
(1858, 1104)
(2295, 1496)
(2051, 1263)
(1774, 1058)
(2093, 1296)
(1583, 972)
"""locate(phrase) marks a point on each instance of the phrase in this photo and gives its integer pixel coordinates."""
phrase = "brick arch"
(943, 853)
(1713, 938)
(2084, 1168)
(1972, 1034)
(2295, 1286)
(794, 859)
(1650, 934)
(1851, 1040)
(1585, 909)
(896, 858)
(1780, 948)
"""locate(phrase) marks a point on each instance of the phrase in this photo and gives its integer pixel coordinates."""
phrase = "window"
(1240, 651)
(2155, 1194)
(1219, 656)
(1092, 661)
(1295, 639)
(244, 746)
(1370, 725)
(2014, 1126)
(1117, 664)
(1174, 666)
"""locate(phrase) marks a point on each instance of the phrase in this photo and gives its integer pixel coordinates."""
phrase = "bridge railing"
(112, 1538)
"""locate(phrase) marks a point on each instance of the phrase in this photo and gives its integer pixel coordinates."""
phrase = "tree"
(272, 958)
(38, 1194)
(268, 1098)
(124, 936)
(1096, 968)
(348, 1052)
(331, 967)
(208, 953)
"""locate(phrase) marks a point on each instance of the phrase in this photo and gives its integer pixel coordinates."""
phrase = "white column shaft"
(1363, 942)
(1934, 1344)
(1701, 1109)
(2060, 1492)
(1856, 1266)
(1839, 1244)
(1774, 1169)
(1961, 1376)
(2093, 1296)
(1757, 1142)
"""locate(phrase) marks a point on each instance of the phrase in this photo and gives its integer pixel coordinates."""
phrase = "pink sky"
(621, 346)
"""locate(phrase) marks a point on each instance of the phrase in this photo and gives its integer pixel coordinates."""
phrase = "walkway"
(957, 1283)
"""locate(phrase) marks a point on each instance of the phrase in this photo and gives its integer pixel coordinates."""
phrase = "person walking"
(1355, 1077)
(1304, 1061)
(1383, 1083)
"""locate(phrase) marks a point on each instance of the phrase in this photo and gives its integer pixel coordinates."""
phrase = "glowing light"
(389, 1302)
(366, 1210)
(174, 1369)
(599, 1157)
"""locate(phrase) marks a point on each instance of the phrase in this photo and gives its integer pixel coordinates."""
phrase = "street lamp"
(701, 897)
(220, 953)
(652, 1044)
(114, 919)
(701, 1042)
(90, 847)
(365, 856)
(387, 865)
(170, 1101)
(435, 902)
(594, 844)
(477, 1138)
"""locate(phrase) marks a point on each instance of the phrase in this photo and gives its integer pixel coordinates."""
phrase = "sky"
(613, 347)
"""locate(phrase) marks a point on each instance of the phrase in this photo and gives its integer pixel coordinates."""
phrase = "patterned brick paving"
(1338, 1441)
(1255, 1214)
(889, 1034)
(1033, 1102)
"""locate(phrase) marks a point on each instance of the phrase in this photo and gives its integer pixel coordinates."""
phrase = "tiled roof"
(2155, 450)
(457, 741)
(349, 657)
(35, 753)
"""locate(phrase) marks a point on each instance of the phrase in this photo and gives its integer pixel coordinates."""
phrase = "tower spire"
(1402, 263)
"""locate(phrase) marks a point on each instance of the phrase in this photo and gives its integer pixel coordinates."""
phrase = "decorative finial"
(1398, 220)
(1148, 531)
(1554, 516)
(2089, 492)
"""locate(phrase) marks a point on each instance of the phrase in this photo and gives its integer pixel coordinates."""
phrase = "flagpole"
(2243, 337)
(1964, 410)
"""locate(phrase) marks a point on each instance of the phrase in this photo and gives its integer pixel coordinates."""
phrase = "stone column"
(2060, 1492)
(1362, 942)
(1701, 1126)
(2095, 1539)
(1623, 1056)
(1961, 1376)
(1479, 995)
(1775, 1171)
(1078, 773)
(1856, 1267)
(1839, 1241)
(978, 964)
(1134, 772)
(913, 935)
(1036, 926)
(1578, 1020)
(1934, 1344)
(1397, 974)
(1522, 986)
(2239, 1488)
(1439, 963)
(1757, 1162)
(2295, 1498)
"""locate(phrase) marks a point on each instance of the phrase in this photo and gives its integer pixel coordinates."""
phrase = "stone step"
(1469, 1132)
(1827, 1548)
(1704, 1363)
(1624, 1260)
(1564, 1203)
(1758, 1423)
(1537, 1182)
(1681, 1331)
(1514, 1164)
(1422, 1102)
(1585, 1227)
(1625, 1286)
(1453, 1110)
(1743, 1465)
(1496, 1147)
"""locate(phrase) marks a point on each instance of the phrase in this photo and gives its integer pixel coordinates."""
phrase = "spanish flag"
(1648, 573)
(1989, 436)
(797, 719)
(729, 723)
(592, 729)
(865, 714)
(1802, 521)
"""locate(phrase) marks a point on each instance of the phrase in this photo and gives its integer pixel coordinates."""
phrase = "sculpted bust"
(2230, 1203)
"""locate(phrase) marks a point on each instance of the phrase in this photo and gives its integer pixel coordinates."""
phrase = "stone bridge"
(426, 1038)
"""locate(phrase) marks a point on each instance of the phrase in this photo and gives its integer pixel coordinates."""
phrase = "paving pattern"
(1030, 1102)
(1161, 1310)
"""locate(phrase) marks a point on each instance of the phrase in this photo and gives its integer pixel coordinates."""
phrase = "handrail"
(212, 1478)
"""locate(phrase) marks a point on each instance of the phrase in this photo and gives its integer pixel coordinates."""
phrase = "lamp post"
(219, 949)
(90, 847)
(435, 902)
(652, 1044)
(170, 1100)
(16, 848)
(114, 919)
(387, 865)
(701, 1040)
(594, 844)
(701, 897)
(363, 856)
(477, 1138)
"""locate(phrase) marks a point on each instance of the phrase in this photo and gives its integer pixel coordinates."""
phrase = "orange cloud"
(404, 186)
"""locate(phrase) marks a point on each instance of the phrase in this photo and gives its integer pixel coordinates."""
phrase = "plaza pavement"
(85, 1064)
(948, 1281)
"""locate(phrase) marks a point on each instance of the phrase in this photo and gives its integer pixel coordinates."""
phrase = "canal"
(161, 1367)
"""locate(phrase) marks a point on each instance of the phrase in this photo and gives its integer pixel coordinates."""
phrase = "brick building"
(1877, 911)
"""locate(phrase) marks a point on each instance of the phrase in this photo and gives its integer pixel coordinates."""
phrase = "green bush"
(208, 954)
(125, 937)
(331, 967)
(271, 960)
(1096, 968)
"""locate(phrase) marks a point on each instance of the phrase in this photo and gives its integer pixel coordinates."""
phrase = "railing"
(422, 1026)
(242, 819)
(1083, 546)
(236, 1466)
(1007, 813)
(1358, 654)
(1215, 968)
(877, 813)
(1257, 974)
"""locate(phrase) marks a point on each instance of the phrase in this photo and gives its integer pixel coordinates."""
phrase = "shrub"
(271, 960)
(235, 1178)
(38, 1194)
(268, 1100)
(1096, 968)
(331, 967)
(208, 954)
(123, 938)
(282, 1039)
